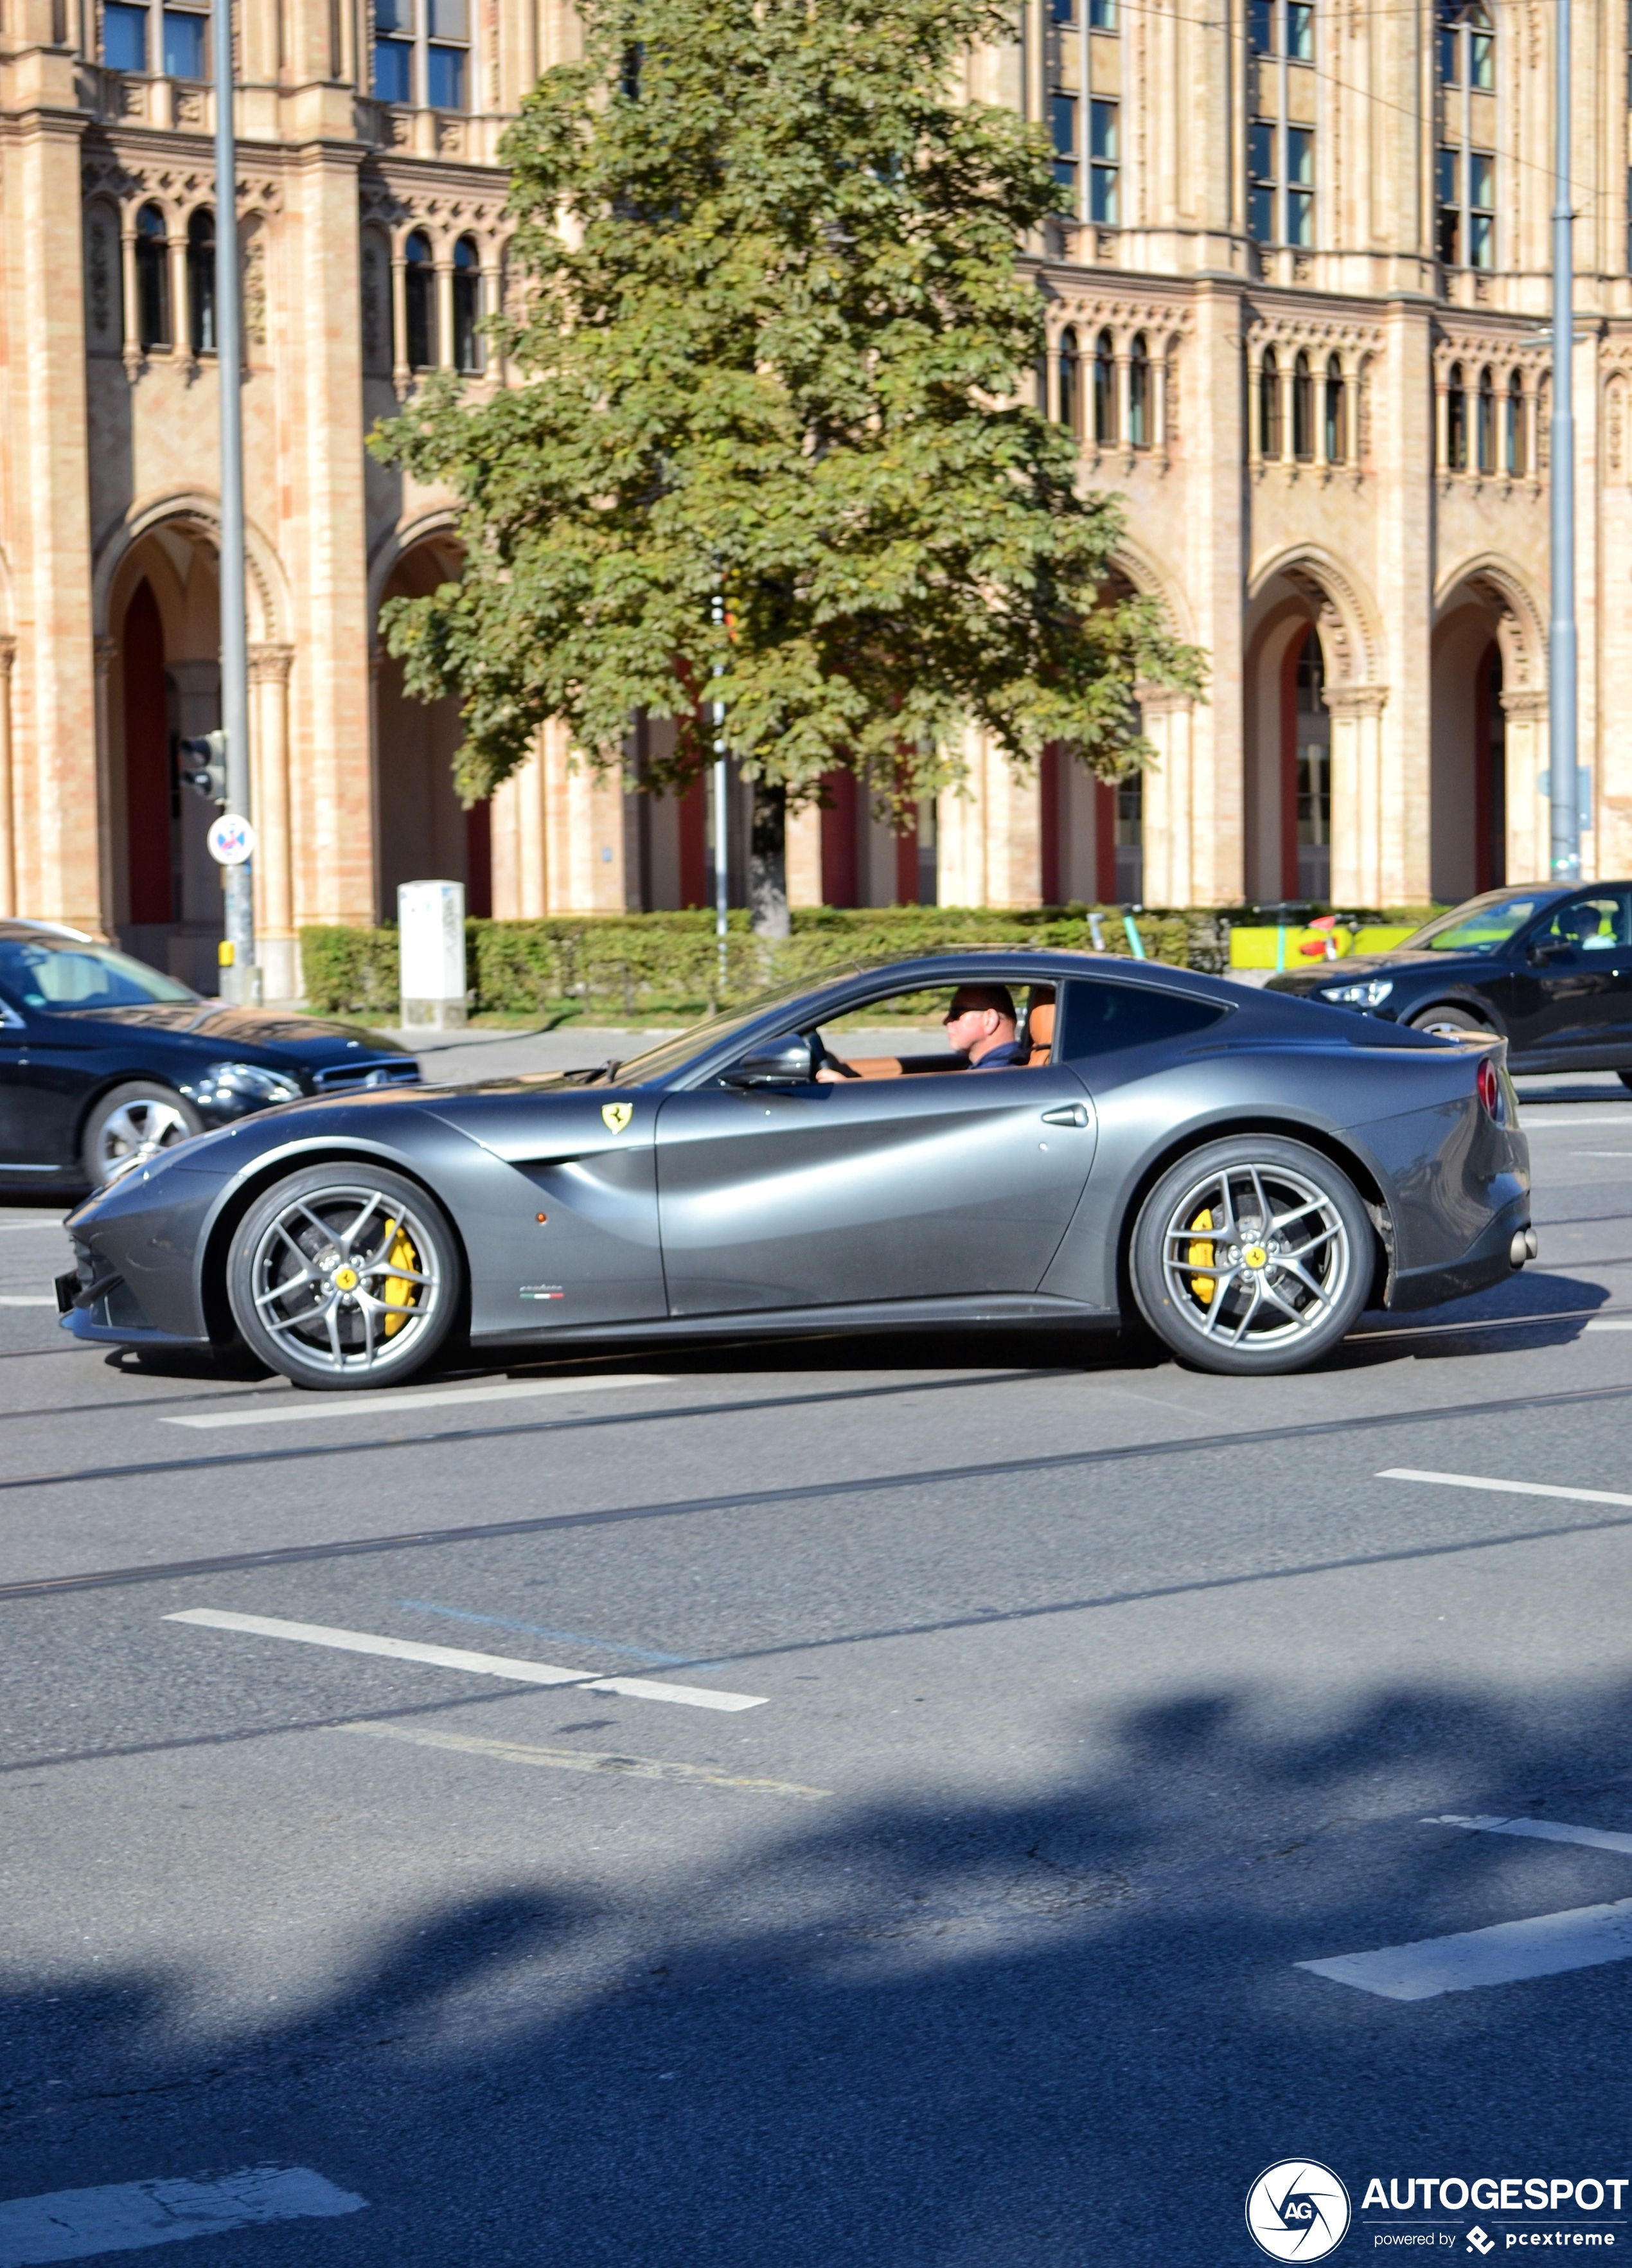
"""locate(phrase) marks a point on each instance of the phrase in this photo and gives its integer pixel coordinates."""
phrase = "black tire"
(344, 1276)
(132, 1123)
(1452, 1021)
(1230, 1304)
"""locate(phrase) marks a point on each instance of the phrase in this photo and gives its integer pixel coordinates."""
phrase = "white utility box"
(431, 937)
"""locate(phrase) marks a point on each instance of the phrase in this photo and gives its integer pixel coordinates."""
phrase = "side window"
(1596, 924)
(1101, 1017)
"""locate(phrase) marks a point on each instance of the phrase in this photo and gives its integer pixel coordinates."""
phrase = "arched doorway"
(1306, 766)
(1467, 828)
(425, 833)
(164, 685)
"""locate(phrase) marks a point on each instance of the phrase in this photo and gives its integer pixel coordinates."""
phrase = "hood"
(1354, 969)
(307, 1039)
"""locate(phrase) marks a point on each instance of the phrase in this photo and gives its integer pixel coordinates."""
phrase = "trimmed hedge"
(614, 969)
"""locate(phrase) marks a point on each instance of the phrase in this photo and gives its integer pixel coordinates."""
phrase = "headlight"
(1372, 994)
(231, 1082)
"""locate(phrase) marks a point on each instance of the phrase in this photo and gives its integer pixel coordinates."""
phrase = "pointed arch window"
(1455, 421)
(467, 354)
(1303, 410)
(1139, 393)
(1271, 440)
(152, 267)
(419, 284)
(1485, 436)
(1104, 390)
(1070, 385)
(201, 282)
(1517, 455)
(1336, 413)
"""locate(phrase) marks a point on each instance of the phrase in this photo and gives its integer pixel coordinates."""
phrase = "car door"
(947, 1183)
(20, 1141)
(1568, 992)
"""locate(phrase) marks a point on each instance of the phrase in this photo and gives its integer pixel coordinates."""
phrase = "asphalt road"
(1090, 1697)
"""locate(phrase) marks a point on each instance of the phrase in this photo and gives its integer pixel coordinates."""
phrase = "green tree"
(768, 449)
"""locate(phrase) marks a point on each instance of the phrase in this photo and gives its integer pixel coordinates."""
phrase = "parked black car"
(1550, 969)
(104, 1061)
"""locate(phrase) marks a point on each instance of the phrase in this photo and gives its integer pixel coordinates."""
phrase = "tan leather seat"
(1039, 1033)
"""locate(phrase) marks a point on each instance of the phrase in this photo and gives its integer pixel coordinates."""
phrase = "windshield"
(1484, 926)
(44, 974)
(673, 1055)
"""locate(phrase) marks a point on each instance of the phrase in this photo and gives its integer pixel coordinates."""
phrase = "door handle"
(1069, 1114)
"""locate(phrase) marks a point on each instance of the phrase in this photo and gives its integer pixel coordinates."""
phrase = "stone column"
(103, 651)
(1216, 543)
(277, 946)
(1529, 814)
(584, 830)
(520, 876)
(1403, 471)
(444, 314)
(127, 267)
(8, 810)
(1357, 713)
(960, 829)
(1170, 814)
(805, 857)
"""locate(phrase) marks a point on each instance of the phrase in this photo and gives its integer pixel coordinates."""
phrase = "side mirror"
(1546, 950)
(787, 1061)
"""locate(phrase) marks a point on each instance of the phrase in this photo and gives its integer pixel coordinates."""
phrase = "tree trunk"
(768, 862)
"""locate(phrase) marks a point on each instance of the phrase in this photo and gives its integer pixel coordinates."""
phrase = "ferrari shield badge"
(617, 1115)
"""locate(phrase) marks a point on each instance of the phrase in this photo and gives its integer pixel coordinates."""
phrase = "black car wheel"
(131, 1125)
(340, 1276)
(1251, 1255)
(1448, 1023)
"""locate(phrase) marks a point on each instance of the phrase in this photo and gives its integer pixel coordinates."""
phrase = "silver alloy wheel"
(1256, 1256)
(135, 1131)
(350, 1279)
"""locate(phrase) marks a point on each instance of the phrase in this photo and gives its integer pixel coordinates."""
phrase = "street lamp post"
(237, 972)
(1563, 758)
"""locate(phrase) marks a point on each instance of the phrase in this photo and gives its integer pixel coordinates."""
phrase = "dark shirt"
(1001, 1058)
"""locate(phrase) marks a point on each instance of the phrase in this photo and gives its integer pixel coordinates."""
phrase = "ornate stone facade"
(1299, 323)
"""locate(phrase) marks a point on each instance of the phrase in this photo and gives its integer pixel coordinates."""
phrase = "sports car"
(1244, 1172)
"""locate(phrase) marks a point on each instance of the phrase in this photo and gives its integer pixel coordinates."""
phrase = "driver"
(981, 1024)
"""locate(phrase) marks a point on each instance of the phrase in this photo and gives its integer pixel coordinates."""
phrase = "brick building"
(1299, 322)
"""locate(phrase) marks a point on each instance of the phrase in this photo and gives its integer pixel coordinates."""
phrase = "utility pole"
(1563, 756)
(239, 977)
(722, 869)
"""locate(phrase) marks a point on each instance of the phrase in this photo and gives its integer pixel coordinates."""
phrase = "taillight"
(1490, 1086)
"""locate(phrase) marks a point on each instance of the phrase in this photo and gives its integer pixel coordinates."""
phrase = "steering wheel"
(825, 1060)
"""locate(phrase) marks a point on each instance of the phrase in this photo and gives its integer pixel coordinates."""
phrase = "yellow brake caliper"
(398, 1292)
(1200, 1255)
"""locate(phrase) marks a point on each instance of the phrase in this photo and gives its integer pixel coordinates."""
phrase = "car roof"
(24, 926)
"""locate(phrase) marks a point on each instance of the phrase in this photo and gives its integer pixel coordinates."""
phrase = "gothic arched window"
(1139, 394)
(152, 266)
(201, 282)
(1104, 390)
(1455, 421)
(1303, 409)
(1336, 413)
(467, 306)
(1070, 385)
(1515, 452)
(420, 292)
(1271, 441)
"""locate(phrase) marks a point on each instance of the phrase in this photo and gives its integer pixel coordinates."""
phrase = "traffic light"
(202, 767)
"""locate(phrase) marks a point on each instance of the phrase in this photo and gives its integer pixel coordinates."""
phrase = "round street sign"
(231, 840)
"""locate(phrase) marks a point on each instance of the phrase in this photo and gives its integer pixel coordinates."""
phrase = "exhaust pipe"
(1523, 1248)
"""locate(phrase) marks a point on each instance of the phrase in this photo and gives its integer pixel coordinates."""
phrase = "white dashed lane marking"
(1504, 1488)
(297, 1408)
(130, 2216)
(581, 1759)
(451, 1657)
(1539, 1830)
(1584, 1937)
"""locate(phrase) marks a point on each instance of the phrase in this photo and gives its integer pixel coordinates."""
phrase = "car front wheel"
(1252, 1255)
(132, 1124)
(1449, 1024)
(344, 1276)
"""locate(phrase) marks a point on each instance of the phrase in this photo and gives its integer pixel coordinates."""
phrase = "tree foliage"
(771, 333)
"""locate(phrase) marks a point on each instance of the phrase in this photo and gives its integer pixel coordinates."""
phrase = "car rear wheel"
(1252, 1255)
(1448, 1023)
(341, 1276)
(131, 1125)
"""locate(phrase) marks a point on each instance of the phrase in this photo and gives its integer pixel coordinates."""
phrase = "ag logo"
(617, 1115)
(1477, 2241)
(1298, 2210)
